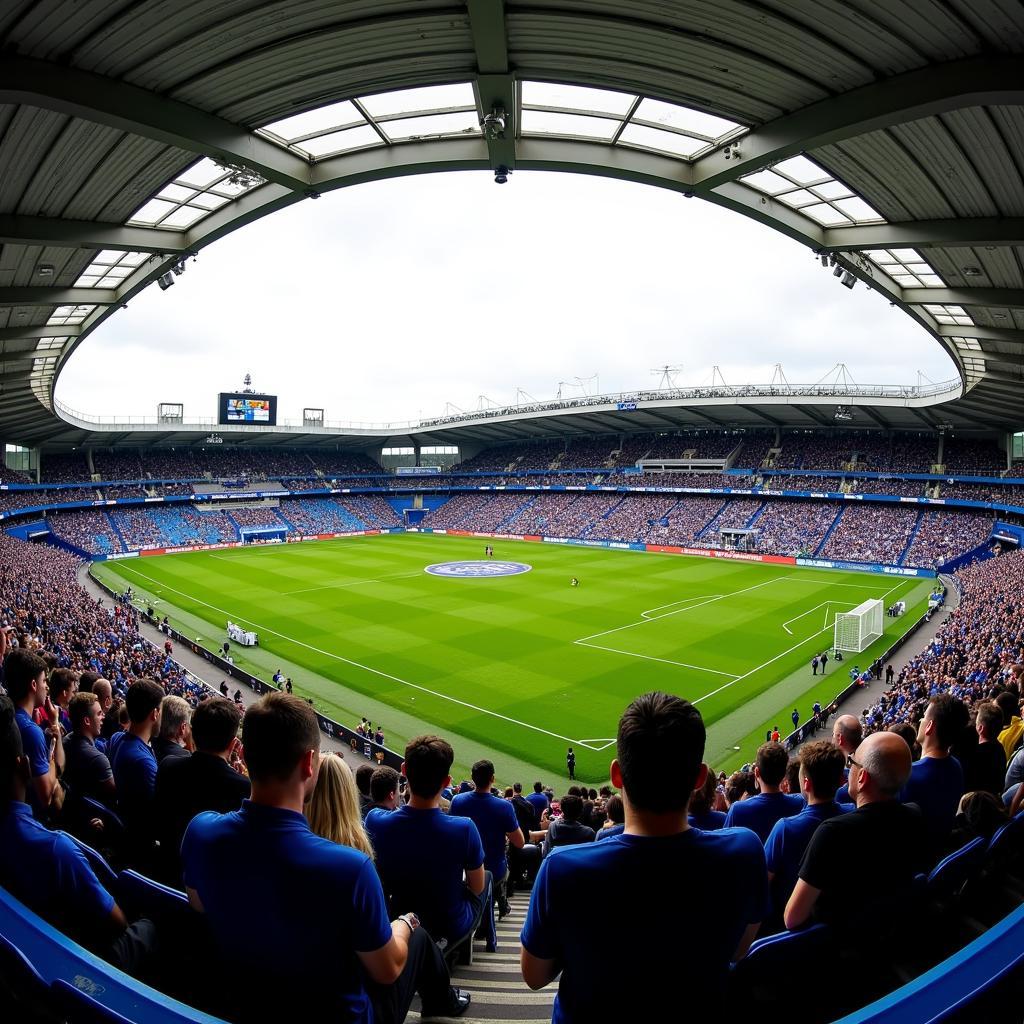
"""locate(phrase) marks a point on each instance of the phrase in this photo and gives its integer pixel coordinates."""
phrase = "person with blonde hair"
(333, 808)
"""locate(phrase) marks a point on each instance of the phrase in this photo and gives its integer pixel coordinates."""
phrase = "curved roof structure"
(888, 138)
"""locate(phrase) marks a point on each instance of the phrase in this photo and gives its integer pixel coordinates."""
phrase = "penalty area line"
(365, 668)
(650, 657)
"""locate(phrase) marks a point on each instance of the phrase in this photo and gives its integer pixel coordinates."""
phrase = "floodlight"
(838, 272)
(493, 124)
(179, 268)
(165, 281)
(501, 173)
(849, 279)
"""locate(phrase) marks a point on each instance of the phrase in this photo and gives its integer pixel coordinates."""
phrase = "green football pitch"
(521, 667)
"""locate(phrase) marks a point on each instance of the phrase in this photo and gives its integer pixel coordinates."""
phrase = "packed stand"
(91, 532)
(794, 527)
(632, 518)
(71, 468)
(871, 533)
(687, 519)
(973, 458)
(313, 516)
(118, 465)
(912, 454)
(942, 536)
(372, 509)
(257, 517)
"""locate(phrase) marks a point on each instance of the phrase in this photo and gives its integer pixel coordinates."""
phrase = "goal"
(860, 628)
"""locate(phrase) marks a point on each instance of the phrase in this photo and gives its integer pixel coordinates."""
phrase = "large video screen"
(241, 408)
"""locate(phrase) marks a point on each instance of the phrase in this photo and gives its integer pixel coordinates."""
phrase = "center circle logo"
(477, 570)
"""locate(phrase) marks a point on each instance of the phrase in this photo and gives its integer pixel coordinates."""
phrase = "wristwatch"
(411, 921)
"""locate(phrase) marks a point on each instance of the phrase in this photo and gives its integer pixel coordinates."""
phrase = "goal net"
(860, 628)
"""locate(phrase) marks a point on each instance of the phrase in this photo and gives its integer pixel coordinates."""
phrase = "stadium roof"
(888, 137)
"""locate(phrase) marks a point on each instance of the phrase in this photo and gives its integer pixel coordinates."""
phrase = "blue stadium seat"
(949, 875)
(1007, 845)
(21, 979)
(104, 872)
(58, 958)
(143, 897)
(80, 1008)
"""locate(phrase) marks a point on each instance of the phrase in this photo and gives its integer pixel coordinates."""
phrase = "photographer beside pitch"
(692, 900)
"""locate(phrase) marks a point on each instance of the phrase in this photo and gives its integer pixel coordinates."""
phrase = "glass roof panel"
(176, 193)
(858, 210)
(341, 142)
(799, 197)
(548, 94)
(766, 181)
(832, 190)
(931, 280)
(201, 173)
(433, 124)
(880, 256)
(152, 211)
(208, 200)
(312, 121)
(684, 118)
(824, 214)
(431, 97)
(905, 255)
(665, 142)
(802, 170)
(545, 123)
(183, 216)
(133, 259)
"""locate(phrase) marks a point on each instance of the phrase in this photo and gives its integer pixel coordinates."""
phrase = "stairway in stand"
(499, 992)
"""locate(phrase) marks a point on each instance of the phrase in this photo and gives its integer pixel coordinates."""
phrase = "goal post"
(858, 629)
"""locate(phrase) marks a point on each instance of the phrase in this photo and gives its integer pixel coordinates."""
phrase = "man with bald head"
(846, 734)
(857, 862)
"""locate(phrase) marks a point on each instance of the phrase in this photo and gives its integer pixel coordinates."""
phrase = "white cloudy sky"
(385, 301)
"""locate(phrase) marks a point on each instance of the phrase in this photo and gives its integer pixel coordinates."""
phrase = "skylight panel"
(575, 97)
(832, 190)
(857, 210)
(109, 268)
(461, 122)
(544, 122)
(825, 214)
(906, 267)
(802, 171)
(65, 315)
(341, 142)
(176, 193)
(202, 173)
(665, 142)
(946, 314)
(183, 217)
(315, 122)
(799, 197)
(152, 212)
(691, 121)
(766, 181)
(409, 101)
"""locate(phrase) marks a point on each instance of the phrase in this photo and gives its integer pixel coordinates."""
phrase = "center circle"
(477, 569)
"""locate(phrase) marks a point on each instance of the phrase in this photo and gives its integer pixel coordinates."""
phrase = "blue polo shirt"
(421, 855)
(36, 749)
(540, 804)
(266, 881)
(711, 821)
(786, 844)
(494, 819)
(759, 813)
(935, 785)
(608, 831)
(690, 898)
(134, 765)
(50, 875)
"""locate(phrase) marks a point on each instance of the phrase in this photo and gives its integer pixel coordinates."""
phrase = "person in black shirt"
(568, 830)
(364, 773)
(570, 763)
(984, 763)
(175, 737)
(858, 862)
(86, 770)
(204, 781)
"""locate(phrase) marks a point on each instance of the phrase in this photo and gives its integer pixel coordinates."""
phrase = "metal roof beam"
(495, 88)
(926, 234)
(126, 107)
(85, 234)
(44, 296)
(1007, 335)
(40, 331)
(1003, 298)
(975, 82)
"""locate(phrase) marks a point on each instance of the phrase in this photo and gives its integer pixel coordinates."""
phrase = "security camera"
(501, 174)
(493, 124)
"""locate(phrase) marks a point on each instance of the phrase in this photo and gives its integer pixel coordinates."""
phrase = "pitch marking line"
(605, 743)
(649, 614)
(366, 668)
(824, 604)
(795, 647)
(649, 657)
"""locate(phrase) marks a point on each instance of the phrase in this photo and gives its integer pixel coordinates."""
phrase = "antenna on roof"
(839, 377)
(922, 377)
(667, 376)
(448, 406)
(247, 385)
(521, 394)
(483, 402)
(717, 380)
(779, 377)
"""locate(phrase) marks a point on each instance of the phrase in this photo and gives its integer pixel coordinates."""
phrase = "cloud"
(382, 301)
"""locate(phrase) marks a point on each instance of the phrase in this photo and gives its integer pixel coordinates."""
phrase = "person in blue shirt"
(695, 899)
(497, 824)
(134, 765)
(759, 813)
(261, 873)
(48, 873)
(428, 861)
(821, 770)
(700, 813)
(25, 681)
(540, 802)
(936, 780)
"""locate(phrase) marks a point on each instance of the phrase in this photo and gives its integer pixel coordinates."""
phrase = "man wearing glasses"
(861, 860)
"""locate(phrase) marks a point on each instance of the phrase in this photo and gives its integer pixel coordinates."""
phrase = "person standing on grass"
(570, 764)
(823, 661)
(814, 665)
(796, 719)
